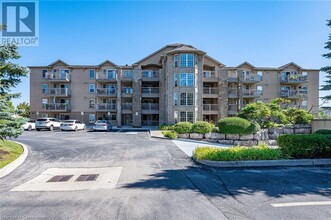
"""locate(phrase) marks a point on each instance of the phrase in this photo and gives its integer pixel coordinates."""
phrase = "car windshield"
(31, 121)
(42, 119)
(69, 121)
(101, 121)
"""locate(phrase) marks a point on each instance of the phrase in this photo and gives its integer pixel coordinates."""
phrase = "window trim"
(90, 106)
(186, 61)
(42, 89)
(186, 80)
(186, 99)
(89, 88)
(42, 73)
(90, 74)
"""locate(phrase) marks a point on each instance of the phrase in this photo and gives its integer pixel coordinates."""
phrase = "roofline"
(209, 57)
(155, 52)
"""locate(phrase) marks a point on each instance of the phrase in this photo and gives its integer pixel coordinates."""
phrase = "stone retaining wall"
(268, 136)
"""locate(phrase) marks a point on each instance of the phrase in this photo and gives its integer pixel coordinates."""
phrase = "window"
(176, 60)
(176, 116)
(44, 73)
(186, 79)
(186, 99)
(113, 117)
(259, 90)
(128, 73)
(186, 60)
(92, 74)
(92, 103)
(304, 103)
(91, 118)
(44, 88)
(44, 101)
(175, 98)
(91, 88)
(186, 117)
(176, 79)
(260, 75)
(109, 73)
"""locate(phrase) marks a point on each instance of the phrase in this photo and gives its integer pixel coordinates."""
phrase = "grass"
(9, 151)
(237, 153)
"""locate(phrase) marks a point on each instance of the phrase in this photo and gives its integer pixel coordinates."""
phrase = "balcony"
(251, 79)
(150, 91)
(210, 92)
(209, 76)
(293, 94)
(109, 76)
(150, 108)
(61, 76)
(251, 93)
(127, 92)
(232, 109)
(127, 75)
(127, 108)
(150, 75)
(210, 109)
(233, 93)
(106, 92)
(57, 107)
(105, 107)
(293, 79)
(58, 92)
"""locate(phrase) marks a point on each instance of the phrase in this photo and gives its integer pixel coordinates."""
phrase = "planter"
(196, 136)
(214, 136)
(186, 136)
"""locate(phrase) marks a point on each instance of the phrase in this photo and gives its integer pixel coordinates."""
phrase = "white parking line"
(291, 204)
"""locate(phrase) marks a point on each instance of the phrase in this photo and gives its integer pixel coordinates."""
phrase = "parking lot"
(139, 177)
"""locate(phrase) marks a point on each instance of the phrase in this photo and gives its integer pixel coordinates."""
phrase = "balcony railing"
(209, 74)
(233, 92)
(106, 76)
(56, 106)
(127, 106)
(210, 107)
(106, 91)
(210, 90)
(106, 107)
(127, 90)
(251, 93)
(232, 108)
(293, 79)
(293, 94)
(58, 76)
(150, 90)
(127, 75)
(58, 92)
(150, 74)
(150, 106)
(252, 79)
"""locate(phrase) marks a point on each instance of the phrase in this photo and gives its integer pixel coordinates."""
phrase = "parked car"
(72, 125)
(47, 123)
(30, 125)
(102, 125)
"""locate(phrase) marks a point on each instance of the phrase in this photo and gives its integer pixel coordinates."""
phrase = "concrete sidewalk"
(188, 146)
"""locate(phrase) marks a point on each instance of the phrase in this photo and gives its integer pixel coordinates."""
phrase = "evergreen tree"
(327, 69)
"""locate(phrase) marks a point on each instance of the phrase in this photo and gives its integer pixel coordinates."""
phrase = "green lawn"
(9, 151)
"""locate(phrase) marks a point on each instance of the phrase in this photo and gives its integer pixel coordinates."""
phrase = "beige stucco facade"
(176, 83)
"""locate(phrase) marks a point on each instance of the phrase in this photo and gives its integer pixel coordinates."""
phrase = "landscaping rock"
(302, 126)
(289, 126)
(288, 131)
(196, 136)
(228, 142)
(302, 130)
(186, 136)
(257, 136)
(214, 136)
(249, 143)
(278, 130)
(273, 136)
(232, 136)
(272, 142)
(246, 137)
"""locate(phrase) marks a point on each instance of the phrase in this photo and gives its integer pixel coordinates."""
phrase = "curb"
(265, 163)
(16, 163)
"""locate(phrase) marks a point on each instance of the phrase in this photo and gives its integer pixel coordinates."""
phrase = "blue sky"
(264, 33)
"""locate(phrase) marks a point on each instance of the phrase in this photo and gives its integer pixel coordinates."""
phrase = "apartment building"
(175, 83)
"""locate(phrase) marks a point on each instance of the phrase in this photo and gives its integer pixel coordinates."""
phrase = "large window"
(44, 88)
(92, 74)
(91, 88)
(187, 79)
(44, 73)
(186, 116)
(176, 79)
(176, 60)
(175, 98)
(186, 99)
(186, 60)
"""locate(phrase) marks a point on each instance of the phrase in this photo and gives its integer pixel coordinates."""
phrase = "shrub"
(305, 145)
(201, 127)
(165, 127)
(170, 134)
(183, 127)
(237, 153)
(235, 125)
(323, 131)
(299, 116)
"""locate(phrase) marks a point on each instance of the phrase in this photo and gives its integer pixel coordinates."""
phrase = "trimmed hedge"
(170, 134)
(201, 127)
(236, 125)
(305, 145)
(183, 127)
(165, 127)
(323, 131)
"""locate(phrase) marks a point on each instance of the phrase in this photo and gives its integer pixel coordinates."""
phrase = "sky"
(264, 33)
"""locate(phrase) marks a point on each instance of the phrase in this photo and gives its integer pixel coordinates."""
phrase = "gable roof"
(107, 61)
(289, 64)
(58, 61)
(157, 51)
(246, 63)
(216, 61)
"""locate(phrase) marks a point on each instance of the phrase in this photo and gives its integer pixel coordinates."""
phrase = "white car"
(47, 123)
(72, 125)
(102, 125)
(30, 125)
